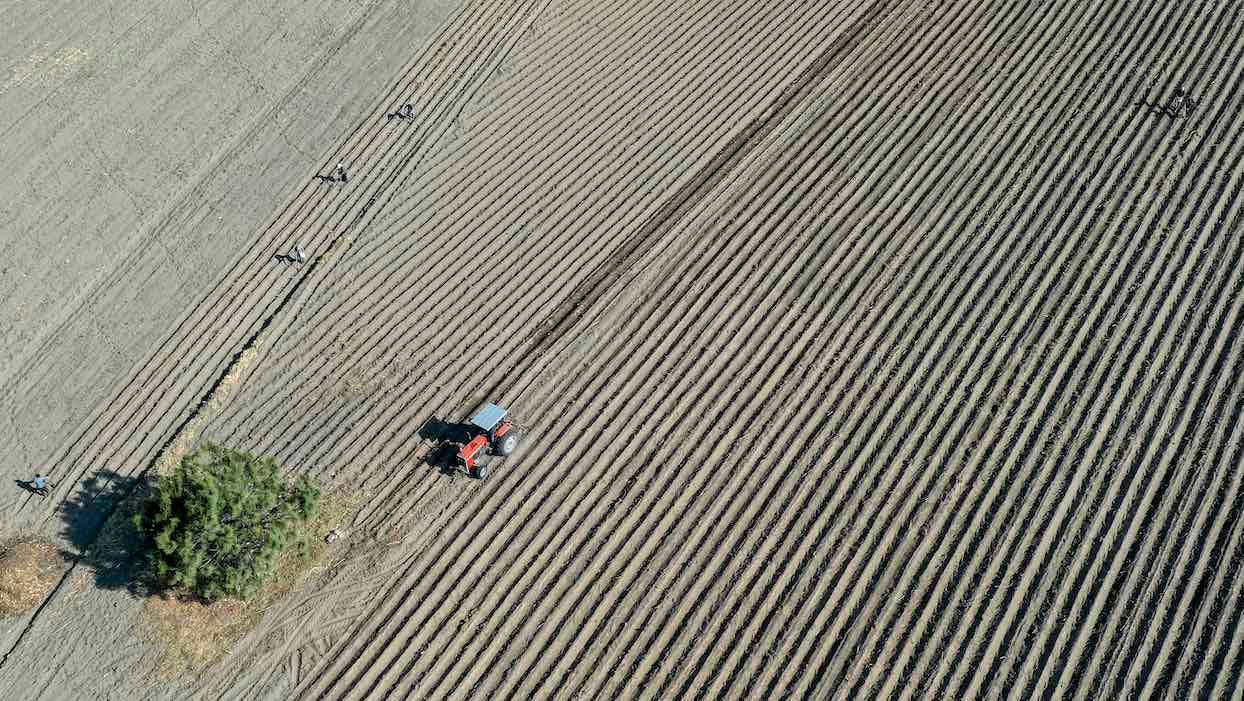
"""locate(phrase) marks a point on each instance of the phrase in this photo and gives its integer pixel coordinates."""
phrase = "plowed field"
(861, 349)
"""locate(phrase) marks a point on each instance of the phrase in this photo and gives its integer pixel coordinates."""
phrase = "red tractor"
(493, 433)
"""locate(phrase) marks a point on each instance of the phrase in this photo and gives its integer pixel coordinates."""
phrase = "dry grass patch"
(29, 568)
(296, 562)
(193, 634)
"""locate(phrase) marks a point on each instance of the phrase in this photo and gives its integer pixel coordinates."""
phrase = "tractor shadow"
(96, 522)
(446, 437)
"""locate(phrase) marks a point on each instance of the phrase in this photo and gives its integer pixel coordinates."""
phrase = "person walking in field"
(340, 172)
(39, 485)
(295, 255)
(406, 111)
(1182, 102)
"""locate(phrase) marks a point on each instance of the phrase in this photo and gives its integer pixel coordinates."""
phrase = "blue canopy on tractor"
(488, 417)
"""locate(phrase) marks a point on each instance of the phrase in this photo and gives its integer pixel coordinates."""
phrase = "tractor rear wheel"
(507, 444)
(481, 471)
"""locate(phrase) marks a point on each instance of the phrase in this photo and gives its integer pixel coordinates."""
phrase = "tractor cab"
(493, 433)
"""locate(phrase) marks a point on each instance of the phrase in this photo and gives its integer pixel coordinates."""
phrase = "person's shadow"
(29, 485)
(1182, 102)
(1154, 107)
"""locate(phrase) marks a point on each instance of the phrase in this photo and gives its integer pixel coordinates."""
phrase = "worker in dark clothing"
(295, 255)
(406, 111)
(340, 173)
(1182, 102)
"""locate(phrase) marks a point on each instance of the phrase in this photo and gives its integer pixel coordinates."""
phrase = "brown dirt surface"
(28, 571)
(861, 348)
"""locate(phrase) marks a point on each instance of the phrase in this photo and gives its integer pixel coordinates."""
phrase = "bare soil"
(862, 349)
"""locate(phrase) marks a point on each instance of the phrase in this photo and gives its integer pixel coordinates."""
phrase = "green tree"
(219, 522)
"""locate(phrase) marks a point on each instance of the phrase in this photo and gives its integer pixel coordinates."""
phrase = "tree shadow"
(96, 522)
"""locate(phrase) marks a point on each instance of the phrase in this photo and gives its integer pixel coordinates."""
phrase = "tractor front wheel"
(481, 471)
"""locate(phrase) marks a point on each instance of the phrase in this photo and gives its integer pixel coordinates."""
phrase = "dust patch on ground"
(43, 68)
